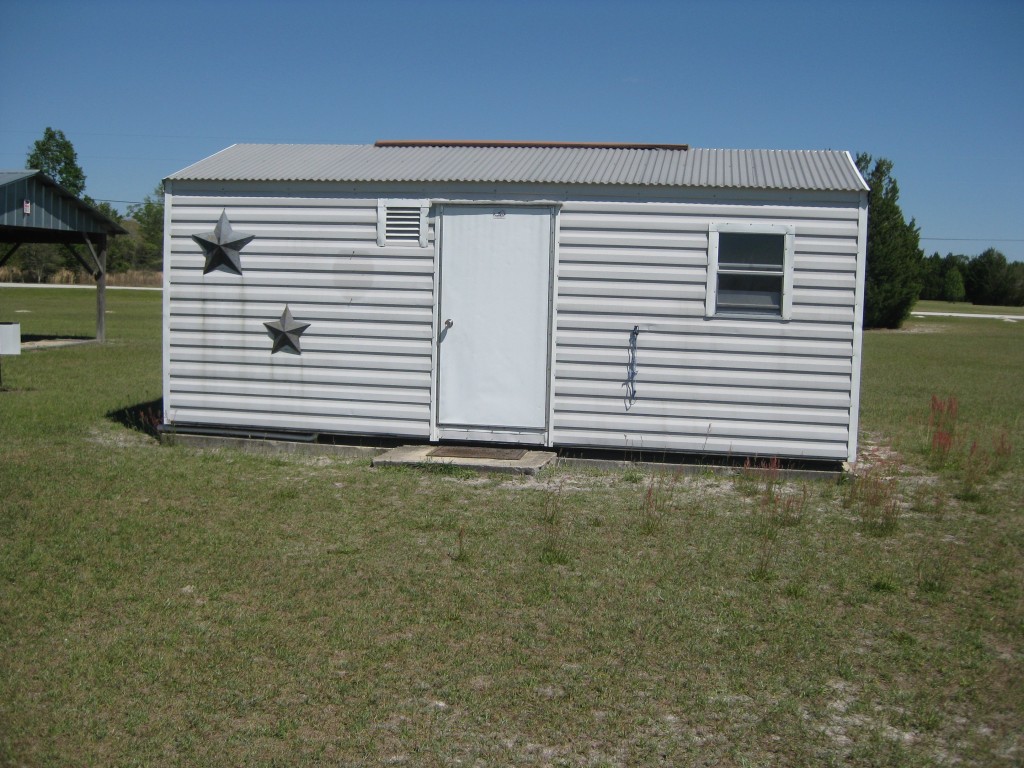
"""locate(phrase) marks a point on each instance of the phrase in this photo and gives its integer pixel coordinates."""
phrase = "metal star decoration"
(285, 333)
(222, 246)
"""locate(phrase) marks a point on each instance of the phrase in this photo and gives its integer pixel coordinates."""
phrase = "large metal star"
(222, 246)
(285, 333)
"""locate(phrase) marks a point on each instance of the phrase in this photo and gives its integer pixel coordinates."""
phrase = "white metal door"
(494, 322)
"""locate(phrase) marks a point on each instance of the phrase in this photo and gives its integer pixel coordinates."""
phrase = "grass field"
(170, 606)
(963, 306)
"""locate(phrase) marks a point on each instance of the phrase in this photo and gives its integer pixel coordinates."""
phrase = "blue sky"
(143, 88)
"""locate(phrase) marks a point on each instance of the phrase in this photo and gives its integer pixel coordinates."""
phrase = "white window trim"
(758, 228)
(382, 217)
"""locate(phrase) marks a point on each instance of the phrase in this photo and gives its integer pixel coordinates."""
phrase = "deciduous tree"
(149, 215)
(953, 285)
(55, 155)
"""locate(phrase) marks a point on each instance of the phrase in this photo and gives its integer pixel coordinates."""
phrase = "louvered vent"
(402, 224)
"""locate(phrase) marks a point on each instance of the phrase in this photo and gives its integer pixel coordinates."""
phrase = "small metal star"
(285, 333)
(222, 246)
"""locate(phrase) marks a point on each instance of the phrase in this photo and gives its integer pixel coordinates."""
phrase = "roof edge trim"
(526, 144)
(853, 164)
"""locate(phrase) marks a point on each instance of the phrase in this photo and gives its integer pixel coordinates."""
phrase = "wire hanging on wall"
(631, 368)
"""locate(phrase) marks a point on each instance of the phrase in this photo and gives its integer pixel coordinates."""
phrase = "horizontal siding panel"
(725, 210)
(225, 292)
(724, 343)
(769, 380)
(302, 260)
(634, 307)
(215, 356)
(716, 326)
(353, 232)
(317, 250)
(719, 428)
(621, 273)
(300, 375)
(646, 406)
(298, 214)
(297, 422)
(567, 389)
(258, 338)
(624, 219)
(382, 332)
(818, 314)
(185, 204)
(632, 290)
(717, 360)
(702, 444)
(244, 401)
(615, 238)
(804, 281)
(826, 263)
(838, 250)
(382, 317)
(823, 298)
(341, 280)
(304, 390)
(692, 232)
(633, 258)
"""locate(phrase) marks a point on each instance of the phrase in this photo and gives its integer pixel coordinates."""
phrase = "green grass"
(963, 306)
(171, 606)
(978, 362)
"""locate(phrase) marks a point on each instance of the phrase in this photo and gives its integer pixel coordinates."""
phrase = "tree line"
(984, 279)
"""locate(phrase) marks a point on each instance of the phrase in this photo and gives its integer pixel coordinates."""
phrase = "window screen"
(751, 273)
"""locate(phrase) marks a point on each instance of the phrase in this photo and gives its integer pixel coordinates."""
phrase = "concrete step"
(510, 460)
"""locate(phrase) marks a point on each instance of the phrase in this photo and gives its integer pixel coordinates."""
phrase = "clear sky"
(146, 88)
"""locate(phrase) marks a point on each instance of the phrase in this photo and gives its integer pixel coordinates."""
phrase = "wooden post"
(101, 291)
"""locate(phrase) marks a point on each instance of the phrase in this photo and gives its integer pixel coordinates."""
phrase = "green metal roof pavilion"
(36, 209)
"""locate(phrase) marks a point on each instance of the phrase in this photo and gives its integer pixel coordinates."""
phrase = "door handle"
(448, 323)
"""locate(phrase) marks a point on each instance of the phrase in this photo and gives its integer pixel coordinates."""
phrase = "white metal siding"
(748, 386)
(720, 385)
(366, 358)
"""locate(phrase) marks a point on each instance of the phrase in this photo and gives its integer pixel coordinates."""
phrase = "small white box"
(10, 338)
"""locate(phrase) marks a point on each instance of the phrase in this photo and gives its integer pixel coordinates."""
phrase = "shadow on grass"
(27, 338)
(144, 417)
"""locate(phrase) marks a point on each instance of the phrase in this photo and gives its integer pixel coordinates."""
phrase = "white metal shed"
(640, 297)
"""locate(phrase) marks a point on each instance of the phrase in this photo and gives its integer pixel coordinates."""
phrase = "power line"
(978, 239)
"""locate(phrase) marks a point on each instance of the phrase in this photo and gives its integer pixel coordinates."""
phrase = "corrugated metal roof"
(9, 177)
(52, 206)
(532, 163)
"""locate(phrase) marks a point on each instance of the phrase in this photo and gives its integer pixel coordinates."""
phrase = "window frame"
(788, 232)
(384, 204)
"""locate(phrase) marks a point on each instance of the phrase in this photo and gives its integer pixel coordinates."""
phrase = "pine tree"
(894, 256)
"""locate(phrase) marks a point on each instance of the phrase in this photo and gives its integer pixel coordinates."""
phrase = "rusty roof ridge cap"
(526, 144)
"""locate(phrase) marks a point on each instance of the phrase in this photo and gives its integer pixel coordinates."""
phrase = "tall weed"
(968, 458)
(658, 501)
(942, 428)
(874, 496)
